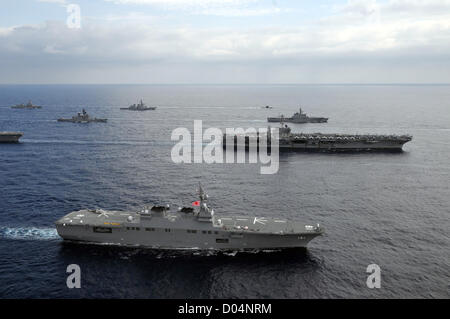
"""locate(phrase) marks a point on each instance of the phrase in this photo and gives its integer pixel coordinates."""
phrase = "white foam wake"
(28, 233)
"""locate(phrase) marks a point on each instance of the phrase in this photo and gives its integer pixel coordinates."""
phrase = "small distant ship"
(82, 117)
(267, 107)
(298, 117)
(29, 105)
(322, 142)
(139, 107)
(187, 228)
(10, 137)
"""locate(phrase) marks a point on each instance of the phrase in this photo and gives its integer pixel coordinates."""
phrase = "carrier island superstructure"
(186, 228)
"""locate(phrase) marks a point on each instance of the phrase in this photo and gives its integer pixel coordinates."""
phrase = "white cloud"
(6, 31)
(189, 4)
(202, 3)
(54, 1)
(238, 12)
(352, 37)
(393, 9)
(134, 41)
(226, 8)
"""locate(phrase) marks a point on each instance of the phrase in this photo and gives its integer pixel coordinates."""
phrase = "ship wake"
(28, 233)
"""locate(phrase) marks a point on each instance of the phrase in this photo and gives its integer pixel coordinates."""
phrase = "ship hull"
(313, 145)
(352, 146)
(180, 230)
(297, 121)
(10, 137)
(177, 239)
(26, 107)
(80, 121)
(147, 109)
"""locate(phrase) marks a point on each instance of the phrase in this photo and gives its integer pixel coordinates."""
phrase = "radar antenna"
(205, 213)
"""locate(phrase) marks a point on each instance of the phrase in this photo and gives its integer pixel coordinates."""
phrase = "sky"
(224, 41)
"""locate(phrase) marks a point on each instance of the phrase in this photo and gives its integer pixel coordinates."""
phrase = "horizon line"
(211, 84)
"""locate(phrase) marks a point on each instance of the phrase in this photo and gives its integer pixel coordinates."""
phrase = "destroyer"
(10, 137)
(139, 107)
(298, 117)
(158, 227)
(322, 142)
(29, 105)
(82, 117)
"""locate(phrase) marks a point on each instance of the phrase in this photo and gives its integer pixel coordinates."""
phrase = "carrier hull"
(320, 142)
(184, 231)
(177, 239)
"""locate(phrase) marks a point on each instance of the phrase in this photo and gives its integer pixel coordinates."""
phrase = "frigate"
(288, 141)
(82, 117)
(185, 228)
(139, 107)
(10, 137)
(298, 117)
(29, 105)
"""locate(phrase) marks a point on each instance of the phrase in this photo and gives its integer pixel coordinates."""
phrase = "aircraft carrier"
(186, 228)
(10, 137)
(289, 141)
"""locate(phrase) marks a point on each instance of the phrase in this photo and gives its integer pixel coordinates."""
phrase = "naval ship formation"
(158, 227)
(289, 141)
(188, 228)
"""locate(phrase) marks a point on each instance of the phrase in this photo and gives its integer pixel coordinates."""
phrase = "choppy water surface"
(388, 209)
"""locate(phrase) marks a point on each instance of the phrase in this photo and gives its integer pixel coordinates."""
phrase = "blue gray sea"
(389, 209)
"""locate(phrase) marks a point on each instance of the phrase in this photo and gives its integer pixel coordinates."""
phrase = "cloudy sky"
(225, 41)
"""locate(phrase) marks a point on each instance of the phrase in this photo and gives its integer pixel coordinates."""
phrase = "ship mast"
(205, 213)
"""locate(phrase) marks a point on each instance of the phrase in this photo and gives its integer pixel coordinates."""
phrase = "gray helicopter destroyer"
(157, 227)
(298, 117)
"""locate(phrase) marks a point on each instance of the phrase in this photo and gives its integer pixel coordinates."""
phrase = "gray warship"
(298, 117)
(289, 141)
(29, 105)
(187, 228)
(139, 107)
(82, 117)
(10, 137)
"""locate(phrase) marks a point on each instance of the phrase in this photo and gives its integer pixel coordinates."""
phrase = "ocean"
(389, 209)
